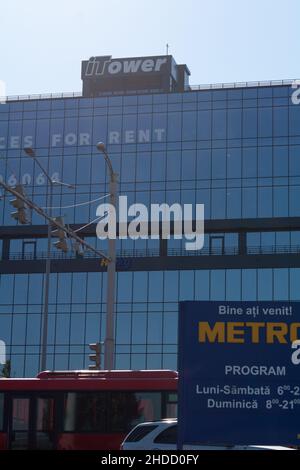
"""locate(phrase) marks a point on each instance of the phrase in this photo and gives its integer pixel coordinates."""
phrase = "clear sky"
(43, 42)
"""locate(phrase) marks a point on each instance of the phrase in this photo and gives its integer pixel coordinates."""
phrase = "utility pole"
(109, 343)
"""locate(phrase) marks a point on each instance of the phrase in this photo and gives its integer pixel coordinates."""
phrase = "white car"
(162, 435)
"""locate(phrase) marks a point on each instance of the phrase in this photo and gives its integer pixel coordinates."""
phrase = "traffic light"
(61, 244)
(104, 262)
(96, 357)
(78, 250)
(19, 215)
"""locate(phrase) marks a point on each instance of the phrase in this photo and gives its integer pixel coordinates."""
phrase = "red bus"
(82, 409)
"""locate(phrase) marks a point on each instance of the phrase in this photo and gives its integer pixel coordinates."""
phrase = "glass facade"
(235, 150)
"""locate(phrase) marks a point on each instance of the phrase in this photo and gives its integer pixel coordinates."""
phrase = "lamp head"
(101, 146)
(29, 151)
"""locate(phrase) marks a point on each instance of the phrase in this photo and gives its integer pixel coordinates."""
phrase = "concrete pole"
(109, 344)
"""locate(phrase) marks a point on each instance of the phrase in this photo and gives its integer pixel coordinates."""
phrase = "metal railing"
(207, 86)
(142, 253)
(41, 96)
(264, 83)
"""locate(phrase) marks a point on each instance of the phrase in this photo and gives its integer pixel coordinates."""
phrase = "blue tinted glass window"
(234, 126)
(57, 129)
(173, 165)
(159, 127)
(295, 120)
(33, 328)
(280, 121)
(202, 285)
(171, 286)
(204, 125)
(249, 93)
(281, 202)
(234, 203)
(6, 289)
(264, 160)
(218, 204)
(234, 163)
(42, 133)
(174, 126)
(265, 122)
(219, 124)
(203, 196)
(155, 286)
(188, 164)
(5, 327)
(280, 161)
(186, 285)
(158, 166)
(203, 164)
(264, 202)
(281, 284)
(100, 129)
(77, 328)
(249, 202)
(249, 280)
(265, 284)
(294, 198)
(83, 169)
(143, 166)
(249, 162)
(128, 167)
(3, 134)
(233, 284)
(78, 291)
(250, 122)
(189, 126)
(114, 128)
(294, 155)
(14, 134)
(219, 163)
(217, 283)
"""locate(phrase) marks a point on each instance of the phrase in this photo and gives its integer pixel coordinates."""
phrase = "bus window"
(20, 414)
(171, 405)
(1, 410)
(84, 412)
(20, 423)
(130, 408)
(44, 422)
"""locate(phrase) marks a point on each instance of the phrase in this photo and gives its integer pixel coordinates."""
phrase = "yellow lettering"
(233, 332)
(255, 326)
(216, 333)
(278, 331)
(294, 331)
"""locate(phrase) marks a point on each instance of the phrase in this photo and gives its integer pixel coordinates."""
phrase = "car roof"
(173, 421)
(162, 421)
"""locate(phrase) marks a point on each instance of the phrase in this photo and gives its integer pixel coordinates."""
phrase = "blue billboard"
(239, 373)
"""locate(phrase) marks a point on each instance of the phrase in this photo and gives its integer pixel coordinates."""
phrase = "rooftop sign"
(105, 66)
(103, 75)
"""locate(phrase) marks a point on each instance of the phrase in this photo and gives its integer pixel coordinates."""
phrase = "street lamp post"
(109, 343)
(43, 359)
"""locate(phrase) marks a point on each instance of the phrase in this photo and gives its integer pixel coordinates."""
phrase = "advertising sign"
(239, 373)
(107, 66)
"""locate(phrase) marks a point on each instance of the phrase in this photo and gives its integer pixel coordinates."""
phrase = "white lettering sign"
(105, 65)
(128, 136)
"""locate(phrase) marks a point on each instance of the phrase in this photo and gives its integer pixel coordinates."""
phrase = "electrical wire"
(78, 205)
(93, 221)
